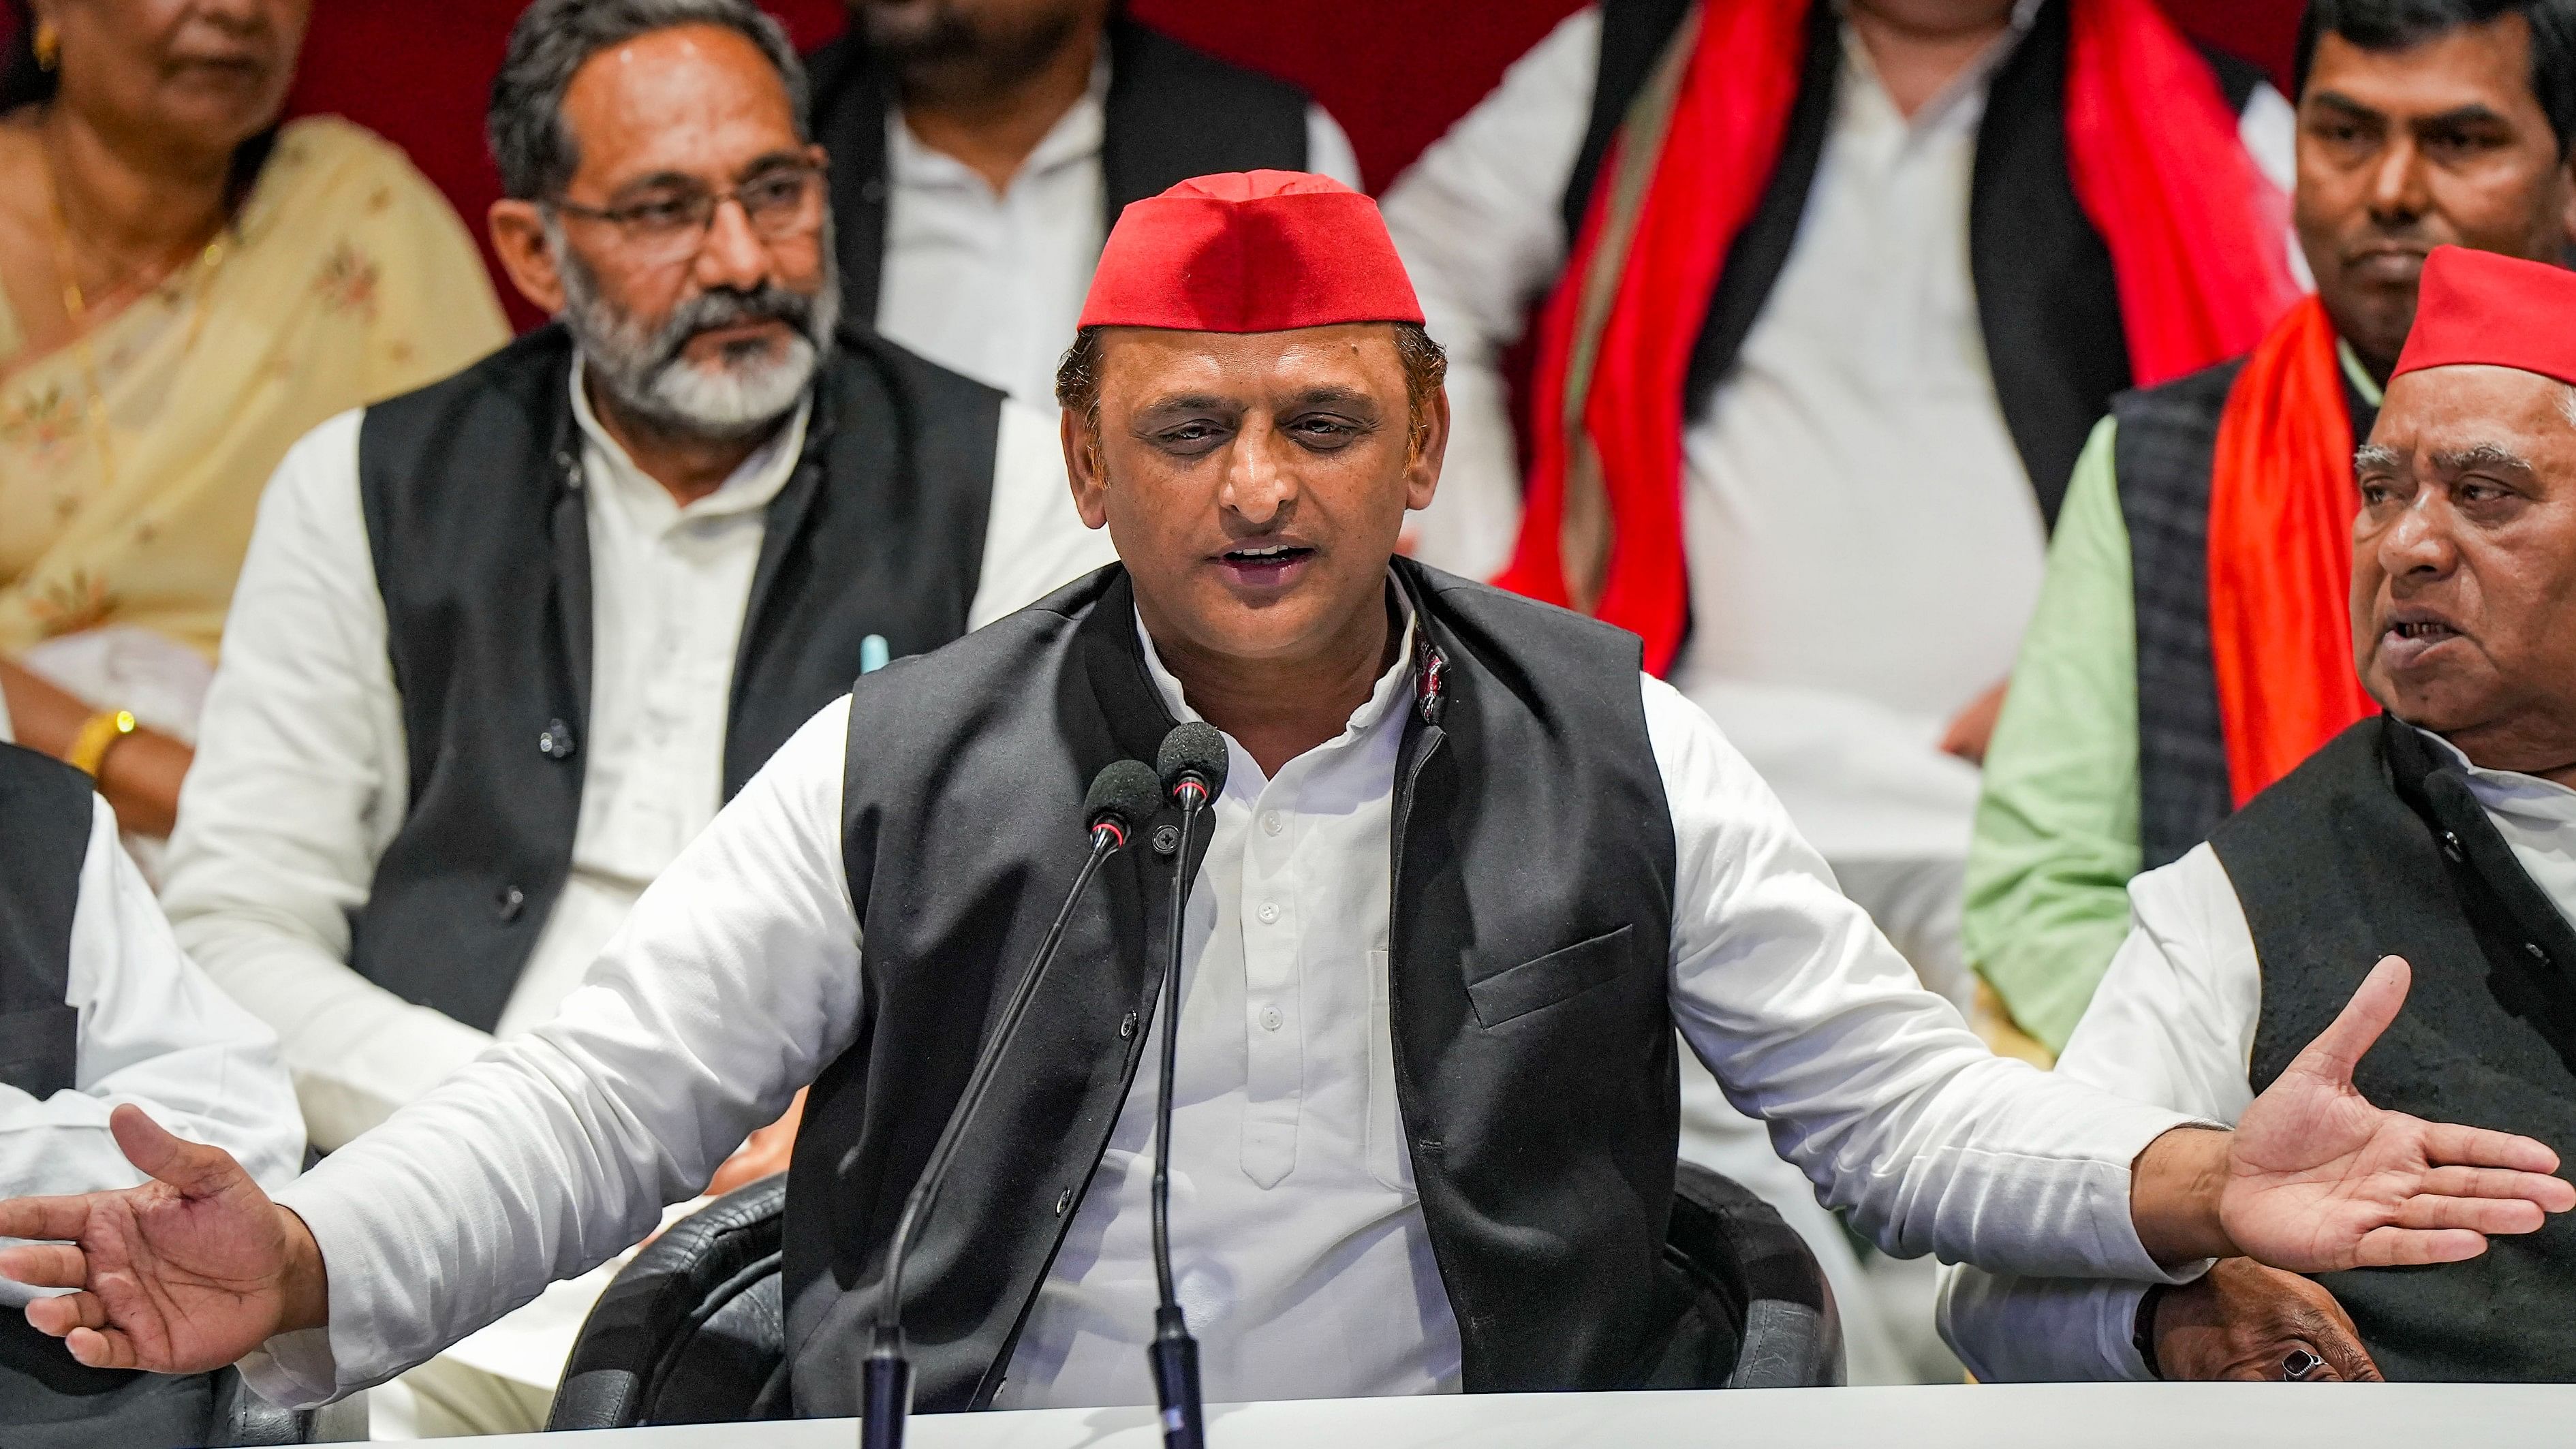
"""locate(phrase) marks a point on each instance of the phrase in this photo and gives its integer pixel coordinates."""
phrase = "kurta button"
(1271, 823)
(1064, 1202)
(1269, 912)
(1127, 1028)
(509, 903)
(556, 743)
(1271, 1020)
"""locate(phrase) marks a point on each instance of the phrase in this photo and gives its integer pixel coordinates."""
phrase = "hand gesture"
(2243, 1321)
(2319, 1180)
(183, 1274)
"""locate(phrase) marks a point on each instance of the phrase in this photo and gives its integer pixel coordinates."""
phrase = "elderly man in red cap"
(2443, 832)
(1468, 869)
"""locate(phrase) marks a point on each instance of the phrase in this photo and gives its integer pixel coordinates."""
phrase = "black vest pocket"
(1516, 991)
(40, 1050)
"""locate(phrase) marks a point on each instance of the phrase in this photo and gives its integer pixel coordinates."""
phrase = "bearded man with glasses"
(504, 645)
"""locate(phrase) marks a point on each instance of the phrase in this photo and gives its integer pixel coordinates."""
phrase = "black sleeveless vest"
(1172, 113)
(2046, 294)
(46, 815)
(2162, 452)
(475, 516)
(2375, 847)
(1533, 876)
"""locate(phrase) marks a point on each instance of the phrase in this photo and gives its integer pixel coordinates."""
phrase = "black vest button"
(1167, 841)
(509, 903)
(2536, 953)
(2451, 846)
(1064, 1202)
(556, 743)
(1127, 1028)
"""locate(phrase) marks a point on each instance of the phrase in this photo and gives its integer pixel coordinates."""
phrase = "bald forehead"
(692, 100)
(2455, 419)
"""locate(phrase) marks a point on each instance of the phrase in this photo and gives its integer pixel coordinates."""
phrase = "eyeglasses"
(781, 204)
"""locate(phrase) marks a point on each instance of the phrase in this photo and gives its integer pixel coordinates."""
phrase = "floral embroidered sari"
(346, 279)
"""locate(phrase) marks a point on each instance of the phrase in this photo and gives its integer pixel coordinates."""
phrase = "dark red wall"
(1394, 72)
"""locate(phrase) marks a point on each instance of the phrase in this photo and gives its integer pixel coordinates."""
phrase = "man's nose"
(2398, 189)
(1258, 488)
(732, 257)
(2418, 540)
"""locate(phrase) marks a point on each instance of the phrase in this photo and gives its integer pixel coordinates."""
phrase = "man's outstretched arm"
(733, 981)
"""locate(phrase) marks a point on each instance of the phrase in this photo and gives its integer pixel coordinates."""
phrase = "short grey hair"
(555, 38)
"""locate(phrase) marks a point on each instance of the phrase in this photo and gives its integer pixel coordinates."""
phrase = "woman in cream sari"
(185, 289)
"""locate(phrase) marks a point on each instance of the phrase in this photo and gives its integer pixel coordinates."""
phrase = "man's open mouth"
(2424, 630)
(1275, 555)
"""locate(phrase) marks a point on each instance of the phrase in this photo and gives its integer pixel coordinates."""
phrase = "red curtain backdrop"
(1394, 72)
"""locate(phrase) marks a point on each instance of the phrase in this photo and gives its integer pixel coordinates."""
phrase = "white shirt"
(1864, 543)
(2173, 1023)
(990, 283)
(155, 1032)
(301, 780)
(1298, 1244)
(737, 979)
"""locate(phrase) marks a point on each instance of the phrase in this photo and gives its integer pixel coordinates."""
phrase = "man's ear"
(1082, 469)
(1430, 448)
(519, 239)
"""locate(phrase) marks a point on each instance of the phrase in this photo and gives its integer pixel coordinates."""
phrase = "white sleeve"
(733, 983)
(1034, 541)
(298, 785)
(1329, 151)
(1872, 1086)
(154, 1032)
(1477, 221)
(2172, 1023)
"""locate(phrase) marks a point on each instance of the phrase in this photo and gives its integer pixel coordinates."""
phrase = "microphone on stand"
(1124, 799)
(1192, 763)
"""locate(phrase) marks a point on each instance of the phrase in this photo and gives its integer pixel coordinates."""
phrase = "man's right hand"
(2241, 1320)
(182, 1275)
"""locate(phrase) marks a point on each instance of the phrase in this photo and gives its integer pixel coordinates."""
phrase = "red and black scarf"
(2193, 229)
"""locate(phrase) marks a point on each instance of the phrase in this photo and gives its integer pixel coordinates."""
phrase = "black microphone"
(1124, 799)
(1192, 763)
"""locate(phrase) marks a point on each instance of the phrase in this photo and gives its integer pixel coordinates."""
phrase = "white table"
(2040, 1416)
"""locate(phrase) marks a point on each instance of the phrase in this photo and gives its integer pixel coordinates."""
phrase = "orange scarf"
(2281, 505)
(2194, 230)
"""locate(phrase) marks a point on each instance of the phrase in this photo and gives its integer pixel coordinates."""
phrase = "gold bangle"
(98, 735)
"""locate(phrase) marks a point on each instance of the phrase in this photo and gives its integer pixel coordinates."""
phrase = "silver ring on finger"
(2298, 1364)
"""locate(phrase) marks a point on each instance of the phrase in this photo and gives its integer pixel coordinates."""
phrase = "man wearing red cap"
(2442, 831)
(1468, 871)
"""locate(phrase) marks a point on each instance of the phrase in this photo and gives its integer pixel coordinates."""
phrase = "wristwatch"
(2142, 1333)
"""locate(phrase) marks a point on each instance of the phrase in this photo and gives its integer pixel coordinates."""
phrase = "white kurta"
(154, 1032)
(990, 283)
(2173, 1023)
(738, 978)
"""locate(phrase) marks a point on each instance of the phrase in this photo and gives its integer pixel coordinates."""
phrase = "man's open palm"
(183, 1274)
(2319, 1180)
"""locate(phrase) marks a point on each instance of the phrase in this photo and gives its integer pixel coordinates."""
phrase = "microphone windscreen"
(1193, 749)
(1126, 792)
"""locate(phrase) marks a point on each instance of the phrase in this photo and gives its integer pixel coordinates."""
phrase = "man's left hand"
(2317, 1180)
(2245, 1322)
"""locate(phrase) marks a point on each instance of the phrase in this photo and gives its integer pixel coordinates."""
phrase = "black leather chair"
(693, 1331)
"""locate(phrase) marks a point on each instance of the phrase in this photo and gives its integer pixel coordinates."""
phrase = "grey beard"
(643, 371)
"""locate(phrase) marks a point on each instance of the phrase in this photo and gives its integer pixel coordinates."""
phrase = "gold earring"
(49, 45)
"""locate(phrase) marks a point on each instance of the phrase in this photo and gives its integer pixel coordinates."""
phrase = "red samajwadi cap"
(2496, 311)
(1250, 251)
